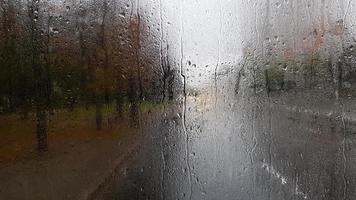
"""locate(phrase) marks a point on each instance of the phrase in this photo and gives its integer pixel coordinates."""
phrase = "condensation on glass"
(159, 99)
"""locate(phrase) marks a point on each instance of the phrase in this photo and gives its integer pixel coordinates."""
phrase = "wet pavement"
(223, 145)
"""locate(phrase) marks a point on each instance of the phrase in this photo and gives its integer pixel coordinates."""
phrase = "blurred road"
(246, 146)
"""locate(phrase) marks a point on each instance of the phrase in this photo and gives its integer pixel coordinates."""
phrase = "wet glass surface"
(213, 99)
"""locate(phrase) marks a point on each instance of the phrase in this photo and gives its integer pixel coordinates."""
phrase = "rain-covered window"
(177, 99)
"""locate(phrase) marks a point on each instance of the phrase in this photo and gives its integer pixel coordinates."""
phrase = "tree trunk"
(119, 106)
(171, 88)
(134, 122)
(99, 116)
(42, 143)
(132, 94)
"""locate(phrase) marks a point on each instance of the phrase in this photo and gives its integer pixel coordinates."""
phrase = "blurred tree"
(40, 75)
(59, 56)
(8, 56)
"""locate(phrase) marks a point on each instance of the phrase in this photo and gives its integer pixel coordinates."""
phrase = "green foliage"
(312, 65)
(274, 78)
